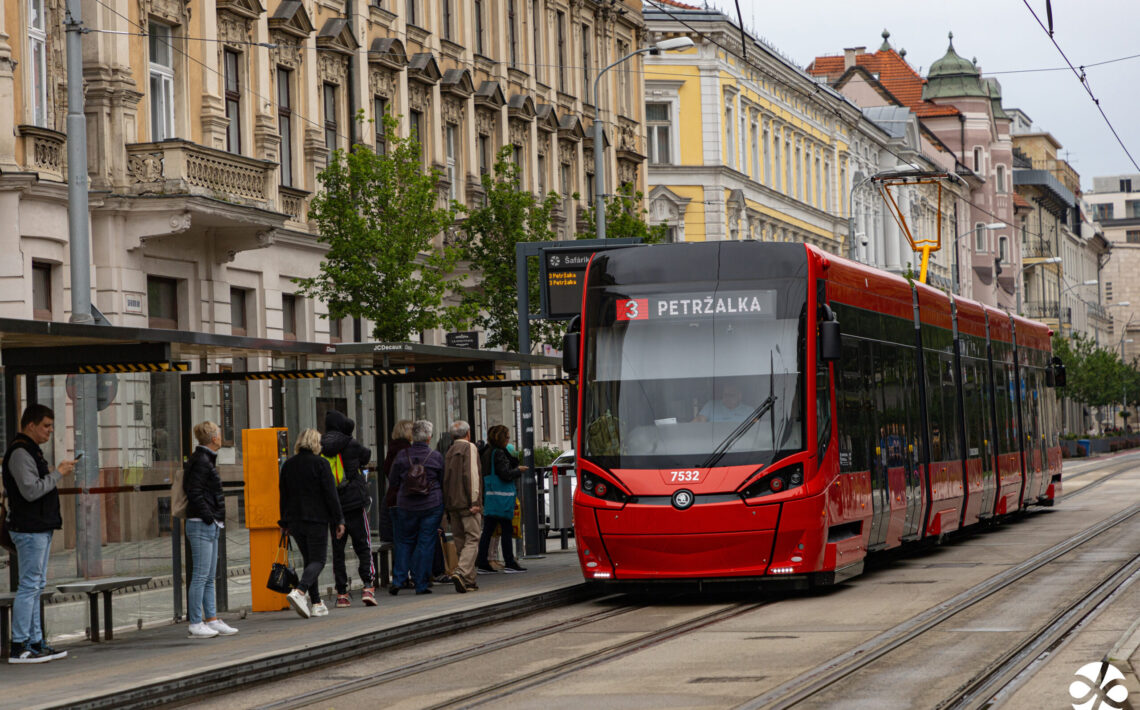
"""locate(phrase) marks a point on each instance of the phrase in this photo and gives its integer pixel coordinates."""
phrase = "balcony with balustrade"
(180, 167)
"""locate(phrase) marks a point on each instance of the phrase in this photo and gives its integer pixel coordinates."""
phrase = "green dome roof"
(953, 76)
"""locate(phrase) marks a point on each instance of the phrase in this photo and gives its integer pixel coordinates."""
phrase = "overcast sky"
(1004, 37)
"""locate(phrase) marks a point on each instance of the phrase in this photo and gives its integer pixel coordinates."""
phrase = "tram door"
(860, 443)
(872, 364)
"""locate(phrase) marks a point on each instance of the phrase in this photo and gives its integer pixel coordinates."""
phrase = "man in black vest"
(33, 516)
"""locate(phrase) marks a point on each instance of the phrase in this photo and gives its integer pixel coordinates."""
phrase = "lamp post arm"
(599, 151)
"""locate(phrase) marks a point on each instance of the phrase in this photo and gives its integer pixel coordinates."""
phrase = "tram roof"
(54, 347)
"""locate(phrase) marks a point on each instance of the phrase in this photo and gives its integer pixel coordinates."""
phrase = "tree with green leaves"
(508, 216)
(625, 217)
(379, 216)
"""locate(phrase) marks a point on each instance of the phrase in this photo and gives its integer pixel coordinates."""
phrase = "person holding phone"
(33, 495)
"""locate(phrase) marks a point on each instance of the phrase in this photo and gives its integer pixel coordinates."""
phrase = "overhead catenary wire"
(1083, 78)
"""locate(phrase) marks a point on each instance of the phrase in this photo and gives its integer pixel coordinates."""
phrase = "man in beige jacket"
(463, 502)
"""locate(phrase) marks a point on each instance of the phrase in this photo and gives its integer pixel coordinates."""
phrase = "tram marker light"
(776, 484)
(601, 489)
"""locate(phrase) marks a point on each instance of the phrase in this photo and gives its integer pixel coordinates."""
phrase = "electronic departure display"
(563, 274)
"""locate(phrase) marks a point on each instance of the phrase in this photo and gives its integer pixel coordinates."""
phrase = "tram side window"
(854, 436)
(950, 393)
(823, 406)
(973, 413)
(935, 408)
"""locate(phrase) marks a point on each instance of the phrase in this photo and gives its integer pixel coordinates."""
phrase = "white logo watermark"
(1099, 687)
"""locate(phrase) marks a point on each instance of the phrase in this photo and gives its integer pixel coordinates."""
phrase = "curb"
(210, 680)
(1122, 653)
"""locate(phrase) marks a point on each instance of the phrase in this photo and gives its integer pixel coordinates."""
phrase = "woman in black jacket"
(309, 506)
(205, 521)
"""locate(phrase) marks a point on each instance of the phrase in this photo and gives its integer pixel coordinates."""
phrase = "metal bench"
(7, 600)
(108, 586)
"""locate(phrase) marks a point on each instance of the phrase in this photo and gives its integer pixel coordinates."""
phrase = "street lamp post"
(675, 43)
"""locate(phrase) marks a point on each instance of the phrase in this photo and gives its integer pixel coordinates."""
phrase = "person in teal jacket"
(500, 471)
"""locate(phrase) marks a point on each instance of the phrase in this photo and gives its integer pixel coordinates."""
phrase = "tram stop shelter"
(154, 384)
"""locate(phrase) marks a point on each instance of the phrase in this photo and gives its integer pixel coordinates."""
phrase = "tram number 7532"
(685, 476)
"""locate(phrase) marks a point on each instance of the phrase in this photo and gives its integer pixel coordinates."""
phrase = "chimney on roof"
(849, 55)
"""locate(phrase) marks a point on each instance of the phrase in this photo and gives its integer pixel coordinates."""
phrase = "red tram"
(770, 413)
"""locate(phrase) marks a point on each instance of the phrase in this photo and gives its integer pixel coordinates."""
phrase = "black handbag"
(282, 578)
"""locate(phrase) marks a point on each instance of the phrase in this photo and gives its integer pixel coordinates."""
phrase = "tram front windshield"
(672, 377)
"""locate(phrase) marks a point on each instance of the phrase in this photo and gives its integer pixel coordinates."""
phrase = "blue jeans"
(400, 550)
(32, 555)
(419, 531)
(201, 599)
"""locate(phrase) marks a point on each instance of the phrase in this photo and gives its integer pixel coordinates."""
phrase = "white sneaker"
(221, 627)
(319, 609)
(300, 603)
(202, 631)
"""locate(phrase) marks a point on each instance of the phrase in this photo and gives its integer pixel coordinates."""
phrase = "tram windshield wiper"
(739, 431)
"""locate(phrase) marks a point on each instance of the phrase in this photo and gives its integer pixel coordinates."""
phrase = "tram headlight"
(777, 481)
(597, 487)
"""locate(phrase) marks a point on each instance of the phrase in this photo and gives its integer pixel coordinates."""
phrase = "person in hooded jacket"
(389, 513)
(354, 504)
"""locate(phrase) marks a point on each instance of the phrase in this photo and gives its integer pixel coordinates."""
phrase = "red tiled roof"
(893, 72)
(681, 5)
(1021, 202)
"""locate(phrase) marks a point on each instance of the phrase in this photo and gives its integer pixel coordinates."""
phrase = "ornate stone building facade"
(209, 121)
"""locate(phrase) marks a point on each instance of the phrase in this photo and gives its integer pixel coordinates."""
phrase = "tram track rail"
(510, 686)
(820, 678)
(1001, 676)
(453, 657)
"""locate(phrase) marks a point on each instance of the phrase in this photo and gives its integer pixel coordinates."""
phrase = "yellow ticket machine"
(263, 452)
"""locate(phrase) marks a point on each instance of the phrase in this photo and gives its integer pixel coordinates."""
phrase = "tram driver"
(729, 408)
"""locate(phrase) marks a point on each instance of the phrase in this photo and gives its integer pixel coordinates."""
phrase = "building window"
(512, 33)
(536, 23)
(1132, 236)
(767, 155)
(416, 129)
(239, 315)
(411, 12)
(562, 51)
(288, 316)
(37, 50)
(1126, 185)
(776, 161)
(335, 333)
(519, 158)
(1002, 249)
(755, 136)
(565, 179)
(541, 176)
(980, 238)
(41, 291)
(479, 27)
(331, 129)
(1102, 212)
(452, 174)
(586, 65)
(162, 302)
(1132, 209)
(1001, 179)
(233, 101)
(161, 82)
(978, 160)
(623, 78)
(590, 189)
(484, 154)
(285, 123)
(446, 18)
(659, 126)
(380, 109)
(729, 125)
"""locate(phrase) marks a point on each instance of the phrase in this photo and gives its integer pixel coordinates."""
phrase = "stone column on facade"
(7, 98)
(213, 117)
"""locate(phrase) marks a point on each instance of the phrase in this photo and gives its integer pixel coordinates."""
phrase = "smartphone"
(79, 456)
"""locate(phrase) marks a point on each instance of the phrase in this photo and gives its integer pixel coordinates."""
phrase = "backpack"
(416, 479)
(336, 463)
(178, 499)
